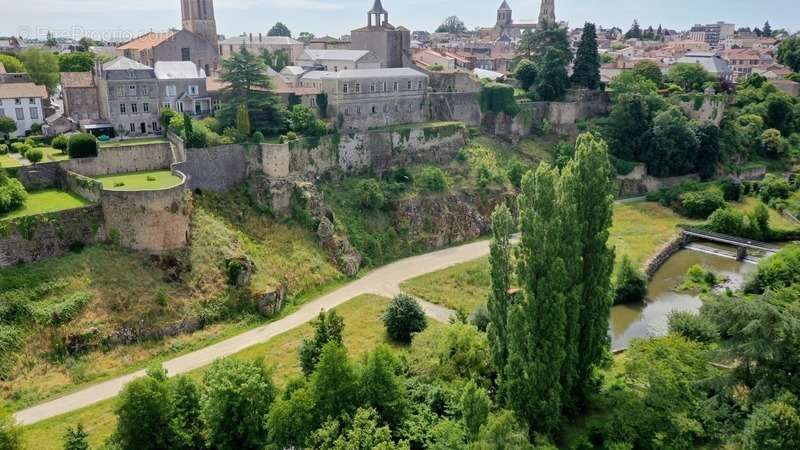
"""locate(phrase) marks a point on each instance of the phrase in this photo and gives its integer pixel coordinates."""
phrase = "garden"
(140, 181)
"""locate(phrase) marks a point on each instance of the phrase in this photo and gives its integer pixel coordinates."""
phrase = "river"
(649, 318)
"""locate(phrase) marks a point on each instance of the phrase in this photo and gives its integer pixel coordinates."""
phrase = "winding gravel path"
(383, 281)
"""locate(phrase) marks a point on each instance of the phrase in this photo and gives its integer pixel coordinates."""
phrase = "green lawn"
(776, 220)
(363, 331)
(47, 201)
(52, 154)
(463, 286)
(140, 181)
(134, 141)
(7, 161)
(640, 230)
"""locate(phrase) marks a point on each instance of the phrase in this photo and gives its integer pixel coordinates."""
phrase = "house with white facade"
(24, 103)
(182, 87)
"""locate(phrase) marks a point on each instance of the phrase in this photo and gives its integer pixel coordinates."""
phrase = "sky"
(117, 20)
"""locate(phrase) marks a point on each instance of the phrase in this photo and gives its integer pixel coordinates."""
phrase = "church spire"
(378, 15)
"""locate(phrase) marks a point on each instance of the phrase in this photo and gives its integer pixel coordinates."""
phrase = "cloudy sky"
(335, 17)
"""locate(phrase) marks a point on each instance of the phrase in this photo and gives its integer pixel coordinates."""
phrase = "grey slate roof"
(377, 8)
(375, 73)
(709, 61)
(123, 63)
(504, 6)
(336, 55)
(178, 70)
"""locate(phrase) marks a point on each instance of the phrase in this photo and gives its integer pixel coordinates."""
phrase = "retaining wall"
(664, 254)
(134, 158)
(34, 238)
(41, 176)
(151, 221)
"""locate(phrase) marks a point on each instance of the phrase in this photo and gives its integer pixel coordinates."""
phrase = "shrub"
(727, 221)
(3, 149)
(498, 98)
(165, 118)
(773, 187)
(196, 139)
(432, 179)
(630, 285)
(779, 271)
(12, 194)
(403, 318)
(34, 155)
(693, 326)
(480, 318)
(17, 147)
(60, 143)
(732, 189)
(701, 204)
(774, 144)
(773, 426)
(370, 194)
(82, 145)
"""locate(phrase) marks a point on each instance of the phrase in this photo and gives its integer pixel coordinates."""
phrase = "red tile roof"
(77, 80)
(146, 41)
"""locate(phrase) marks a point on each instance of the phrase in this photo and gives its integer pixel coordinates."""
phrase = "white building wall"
(24, 111)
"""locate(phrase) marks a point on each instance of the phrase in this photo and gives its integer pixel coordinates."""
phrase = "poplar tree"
(499, 301)
(587, 59)
(587, 185)
(537, 323)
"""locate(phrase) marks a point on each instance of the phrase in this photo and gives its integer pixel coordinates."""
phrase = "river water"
(649, 318)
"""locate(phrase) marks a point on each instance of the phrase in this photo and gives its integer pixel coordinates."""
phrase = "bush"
(727, 221)
(693, 326)
(732, 189)
(630, 285)
(370, 194)
(60, 143)
(701, 204)
(480, 318)
(773, 426)
(18, 147)
(773, 187)
(3, 149)
(166, 118)
(779, 271)
(12, 194)
(433, 179)
(34, 155)
(82, 145)
(403, 318)
(196, 139)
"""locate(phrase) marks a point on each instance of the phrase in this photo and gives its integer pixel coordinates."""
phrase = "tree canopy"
(279, 29)
(452, 24)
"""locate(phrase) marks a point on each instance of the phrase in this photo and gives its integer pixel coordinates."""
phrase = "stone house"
(273, 44)
(182, 45)
(128, 94)
(81, 101)
(336, 60)
(24, 103)
(182, 88)
(364, 99)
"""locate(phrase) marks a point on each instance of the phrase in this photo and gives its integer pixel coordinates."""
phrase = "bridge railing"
(733, 240)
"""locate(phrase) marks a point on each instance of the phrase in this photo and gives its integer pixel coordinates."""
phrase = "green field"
(51, 154)
(639, 231)
(363, 332)
(140, 181)
(47, 201)
(134, 141)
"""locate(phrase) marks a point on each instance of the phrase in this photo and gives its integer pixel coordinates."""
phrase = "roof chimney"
(251, 37)
(259, 37)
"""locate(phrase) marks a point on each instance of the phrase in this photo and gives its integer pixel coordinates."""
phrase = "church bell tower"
(547, 12)
(198, 17)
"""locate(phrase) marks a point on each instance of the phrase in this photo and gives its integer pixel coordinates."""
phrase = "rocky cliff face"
(450, 219)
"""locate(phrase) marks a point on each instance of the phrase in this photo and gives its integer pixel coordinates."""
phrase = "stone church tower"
(392, 45)
(504, 15)
(547, 12)
(198, 17)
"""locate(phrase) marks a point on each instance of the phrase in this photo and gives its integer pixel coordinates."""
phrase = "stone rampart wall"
(133, 158)
(218, 168)
(34, 238)
(151, 221)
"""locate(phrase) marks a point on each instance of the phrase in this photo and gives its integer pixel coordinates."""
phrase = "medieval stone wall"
(133, 158)
(41, 176)
(459, 106)
(703, 107)
(150, 221)
(34, 238)
(218, 168)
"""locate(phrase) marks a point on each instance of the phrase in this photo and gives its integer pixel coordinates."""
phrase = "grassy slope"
(149, 180)
(46, 201)
(7, 161)
(776, 219)
(127, 286)
(363, 332)
(639, 230)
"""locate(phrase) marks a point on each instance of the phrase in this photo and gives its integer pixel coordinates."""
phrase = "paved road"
(384, 281)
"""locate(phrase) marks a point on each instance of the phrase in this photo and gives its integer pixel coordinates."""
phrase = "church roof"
(504, 6)
(377, 8)
(146, 41)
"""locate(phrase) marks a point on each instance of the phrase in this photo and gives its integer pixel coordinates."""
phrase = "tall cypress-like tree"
(587, 60)
(537, 323)
(587, 184)
(499, 301)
